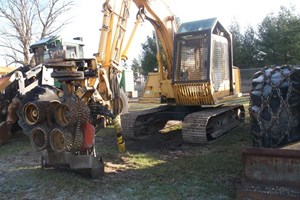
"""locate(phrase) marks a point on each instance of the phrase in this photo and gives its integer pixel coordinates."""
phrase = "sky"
(88, 17)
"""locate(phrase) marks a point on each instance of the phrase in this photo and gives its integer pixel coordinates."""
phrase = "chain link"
(270, 122)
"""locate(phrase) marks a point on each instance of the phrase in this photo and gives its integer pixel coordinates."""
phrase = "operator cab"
(202, 65)
(44, 48)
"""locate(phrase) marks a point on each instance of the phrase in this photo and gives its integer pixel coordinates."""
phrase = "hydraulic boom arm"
(163, 21)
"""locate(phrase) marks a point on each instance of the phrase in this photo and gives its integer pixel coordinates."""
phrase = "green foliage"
(136, 66)
(235, 30)
(249, 48)
(149, 60)
(275, 42)
(244, 46)
(279, 38)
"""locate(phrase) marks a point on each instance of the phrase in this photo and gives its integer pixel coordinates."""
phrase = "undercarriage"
(200, 125)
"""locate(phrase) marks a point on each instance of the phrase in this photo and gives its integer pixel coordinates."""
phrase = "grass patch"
(208, 172)
(15, 146)
(143, 161)
(182, 172)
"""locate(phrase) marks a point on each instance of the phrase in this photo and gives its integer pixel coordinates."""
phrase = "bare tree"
(24, 20)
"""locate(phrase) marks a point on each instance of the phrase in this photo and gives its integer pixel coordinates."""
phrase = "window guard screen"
(192, 58)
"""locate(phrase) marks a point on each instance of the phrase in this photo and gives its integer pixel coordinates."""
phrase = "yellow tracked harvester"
(197, 82)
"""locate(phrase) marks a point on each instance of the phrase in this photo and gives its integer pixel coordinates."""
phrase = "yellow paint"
(118, 130)
(6, 70)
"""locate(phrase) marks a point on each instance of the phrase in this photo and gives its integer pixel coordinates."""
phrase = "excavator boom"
(163, 21)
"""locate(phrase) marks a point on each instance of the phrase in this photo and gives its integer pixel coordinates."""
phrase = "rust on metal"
(281, 166)
(271, 172)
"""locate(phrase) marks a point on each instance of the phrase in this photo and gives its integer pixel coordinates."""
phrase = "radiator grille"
(193, 94)
(220, 64)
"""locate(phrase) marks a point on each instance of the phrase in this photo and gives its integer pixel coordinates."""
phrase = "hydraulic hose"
(119, 134)
(116, 122)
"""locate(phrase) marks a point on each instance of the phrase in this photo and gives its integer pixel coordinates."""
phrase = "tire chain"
(273, 106)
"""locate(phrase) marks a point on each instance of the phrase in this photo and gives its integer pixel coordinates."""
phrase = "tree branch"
(23, 19)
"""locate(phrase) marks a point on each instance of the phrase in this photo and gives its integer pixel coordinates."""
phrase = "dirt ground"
(20, 155)
(158, 142)
(20, 166)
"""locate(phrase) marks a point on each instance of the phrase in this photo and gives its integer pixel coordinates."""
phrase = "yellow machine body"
(202, 71)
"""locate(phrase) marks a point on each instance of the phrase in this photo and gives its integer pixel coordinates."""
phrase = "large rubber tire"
(274, 106)
(39, 93)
